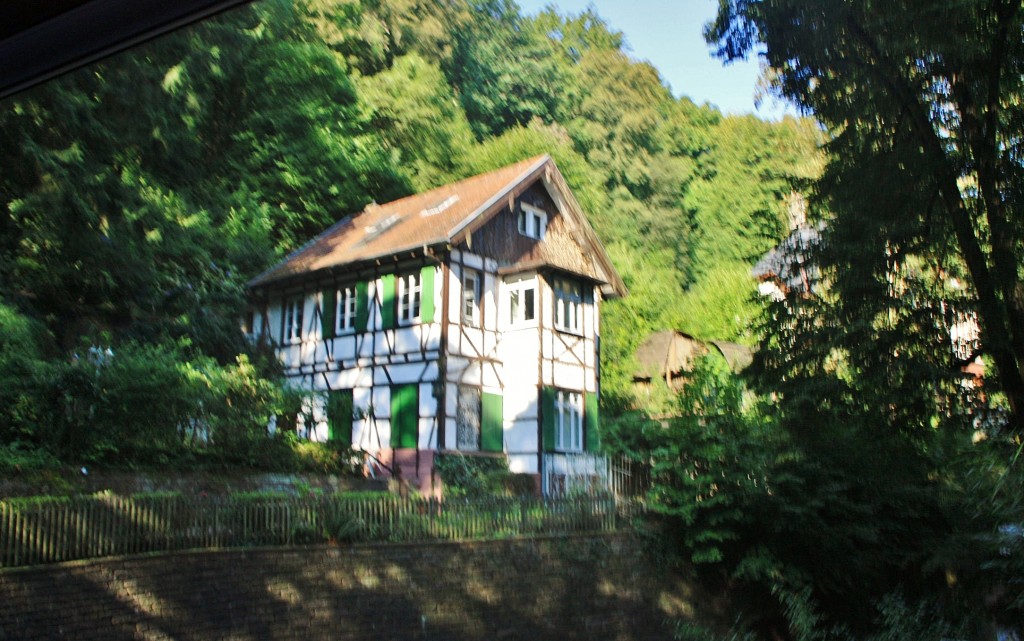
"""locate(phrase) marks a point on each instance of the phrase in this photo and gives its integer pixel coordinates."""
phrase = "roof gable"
(442, 216)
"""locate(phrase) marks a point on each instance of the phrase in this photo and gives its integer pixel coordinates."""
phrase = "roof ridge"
(462, 181)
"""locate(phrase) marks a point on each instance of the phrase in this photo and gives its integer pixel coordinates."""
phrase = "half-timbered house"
(464, 319)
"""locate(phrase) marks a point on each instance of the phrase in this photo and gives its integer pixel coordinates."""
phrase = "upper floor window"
(249, 323)
(532, 222)
(568, 305)
(471, 297)
(345, 311)
(410, 294)
(291, 322)
(522, 300)
(568, 421)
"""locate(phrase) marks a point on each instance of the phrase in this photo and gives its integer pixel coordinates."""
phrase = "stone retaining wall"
(586, 587)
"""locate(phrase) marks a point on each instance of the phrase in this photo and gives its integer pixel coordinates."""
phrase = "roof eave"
(411, 252)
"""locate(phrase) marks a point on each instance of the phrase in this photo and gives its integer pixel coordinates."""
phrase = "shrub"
(476, 475)
(23, 371)
(19, 458)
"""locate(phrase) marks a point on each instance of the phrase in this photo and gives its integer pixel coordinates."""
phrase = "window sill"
(520, 326)
(566, 330)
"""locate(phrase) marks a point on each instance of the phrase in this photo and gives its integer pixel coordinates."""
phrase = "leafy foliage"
(131, 220)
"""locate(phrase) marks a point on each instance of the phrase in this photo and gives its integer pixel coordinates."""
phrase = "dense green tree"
(919, 102)
(923, 101)
(416, 112)
(138, 195)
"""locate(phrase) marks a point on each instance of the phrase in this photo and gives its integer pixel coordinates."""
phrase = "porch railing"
(587, 474)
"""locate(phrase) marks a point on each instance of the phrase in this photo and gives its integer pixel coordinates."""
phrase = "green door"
(404, 415)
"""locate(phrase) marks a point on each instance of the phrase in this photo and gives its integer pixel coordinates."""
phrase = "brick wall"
(592, 587)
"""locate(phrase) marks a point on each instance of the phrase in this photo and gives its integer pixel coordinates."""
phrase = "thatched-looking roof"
(667, 354)
(737, 356)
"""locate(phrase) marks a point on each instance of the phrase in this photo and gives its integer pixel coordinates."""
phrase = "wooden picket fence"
(36, 531)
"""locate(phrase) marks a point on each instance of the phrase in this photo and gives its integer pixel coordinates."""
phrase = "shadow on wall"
(558, 588)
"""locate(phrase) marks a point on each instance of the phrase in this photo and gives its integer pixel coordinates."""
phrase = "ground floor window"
(467, 419)
(479, 420)
(568, 421)
(562, 415)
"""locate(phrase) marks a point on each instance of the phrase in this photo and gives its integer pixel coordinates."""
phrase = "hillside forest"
(140, 194)
(851, 484)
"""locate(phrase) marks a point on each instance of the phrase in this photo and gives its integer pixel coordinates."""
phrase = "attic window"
(441, 206)
(384, 225)
(532, 222)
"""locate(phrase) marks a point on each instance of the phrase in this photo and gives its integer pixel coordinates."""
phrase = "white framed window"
(410, 293)
(532, 222)
(471, 297)
(249, 323)
(568, 305)
(345, 311)
(568, 421)
(291, 326)
(521, 294)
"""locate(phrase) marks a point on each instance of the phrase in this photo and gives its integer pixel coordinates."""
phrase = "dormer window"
(533, 222)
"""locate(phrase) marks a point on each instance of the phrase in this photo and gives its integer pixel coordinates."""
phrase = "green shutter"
(387, 301)
(427, 294)
(591, 422)
(547, 408)
(339, 416)
(327, 312)
(404, 416)
(491, 422)
(362, 306)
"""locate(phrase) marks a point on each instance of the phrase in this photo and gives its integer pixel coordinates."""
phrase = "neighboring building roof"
(438, 218)
(667, 353)
(737, 356)
(788, 263)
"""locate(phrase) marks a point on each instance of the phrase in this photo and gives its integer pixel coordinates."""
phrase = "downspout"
(539, 302)
(442, 369)
(442, 363)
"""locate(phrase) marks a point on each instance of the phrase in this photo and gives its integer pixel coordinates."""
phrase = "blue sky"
(669, 35)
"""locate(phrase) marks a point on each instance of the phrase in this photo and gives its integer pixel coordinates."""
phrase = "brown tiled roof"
(439, 216)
